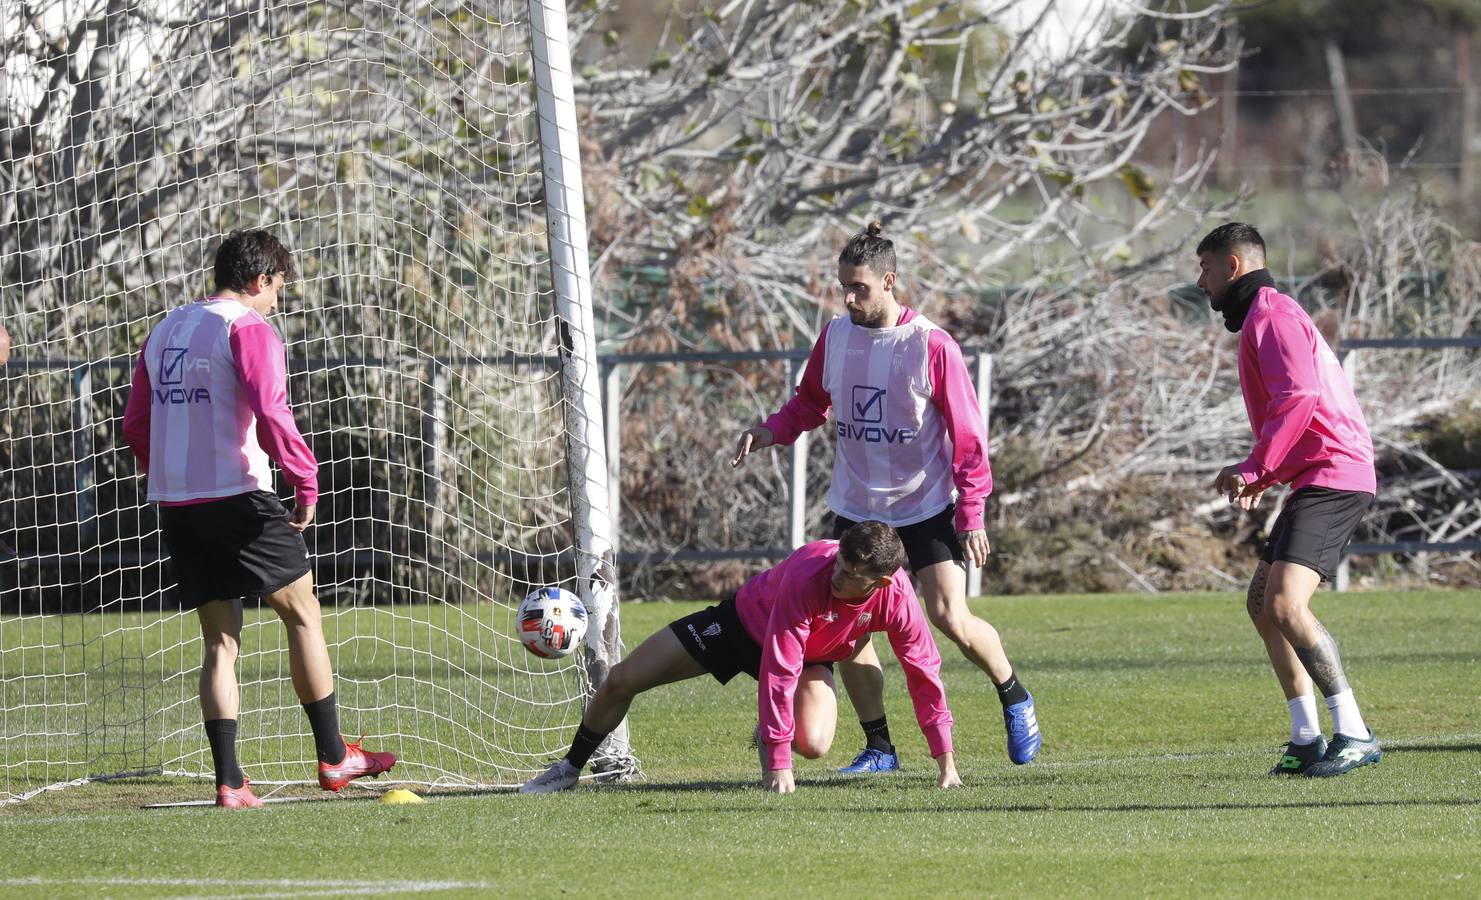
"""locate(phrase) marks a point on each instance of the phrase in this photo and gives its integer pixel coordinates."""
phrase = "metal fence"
(1347, 354)
(614, 368)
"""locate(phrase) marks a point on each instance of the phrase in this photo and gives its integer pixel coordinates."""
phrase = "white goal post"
(421, 160)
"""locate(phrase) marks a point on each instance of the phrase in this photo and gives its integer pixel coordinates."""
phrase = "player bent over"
(208, 410)
(1310, 434)
(786, 627)
(911, 452)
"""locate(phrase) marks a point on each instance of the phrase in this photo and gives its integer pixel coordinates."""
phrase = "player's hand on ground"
(750, 440)
(975, 546)
(948, 777)
(302, 518)
(779, 781)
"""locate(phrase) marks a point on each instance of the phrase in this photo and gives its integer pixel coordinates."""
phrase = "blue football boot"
(870, 761)
(1023, 731)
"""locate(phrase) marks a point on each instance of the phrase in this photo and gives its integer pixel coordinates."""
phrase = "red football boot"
(356, 764)
(237, 798)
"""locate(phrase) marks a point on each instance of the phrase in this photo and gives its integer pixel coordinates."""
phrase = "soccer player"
(1310, 434)
(911, 452)
(208, 410)
(785, 628)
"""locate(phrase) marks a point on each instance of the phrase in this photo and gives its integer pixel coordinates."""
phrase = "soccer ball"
(552, 622)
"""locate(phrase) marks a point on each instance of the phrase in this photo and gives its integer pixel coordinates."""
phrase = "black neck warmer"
(1240, 294)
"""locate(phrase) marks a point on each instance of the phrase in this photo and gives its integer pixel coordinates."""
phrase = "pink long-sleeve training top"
(910, 433)
(209, 408)
(790, 611)
(1309, 429)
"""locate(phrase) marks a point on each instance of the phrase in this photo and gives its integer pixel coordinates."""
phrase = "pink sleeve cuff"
(1248, 471)
(778, 756)
(938, 738)
(969, 514)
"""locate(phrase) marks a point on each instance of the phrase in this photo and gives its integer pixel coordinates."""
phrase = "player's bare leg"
(308, 655)
(1294, 681)
(944, 591)
(1304, 655)
(659, 660)
(815, 711)
(221, 637)
(340, 761)
(863, 679)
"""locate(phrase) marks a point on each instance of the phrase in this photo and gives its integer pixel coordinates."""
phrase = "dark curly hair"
(244, 255)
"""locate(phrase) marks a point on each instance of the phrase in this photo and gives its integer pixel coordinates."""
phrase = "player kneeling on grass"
(786, 627)
(208, 409)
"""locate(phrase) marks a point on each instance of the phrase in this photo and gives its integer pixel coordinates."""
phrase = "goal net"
(420, 160)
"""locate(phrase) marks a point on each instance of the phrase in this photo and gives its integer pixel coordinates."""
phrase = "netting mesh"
(395, 150)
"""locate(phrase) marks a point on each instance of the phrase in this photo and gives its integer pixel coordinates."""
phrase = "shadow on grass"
(1317, 804)
(1432, 747)
(695, 787)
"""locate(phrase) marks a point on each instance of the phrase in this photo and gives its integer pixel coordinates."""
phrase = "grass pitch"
(1160, 718)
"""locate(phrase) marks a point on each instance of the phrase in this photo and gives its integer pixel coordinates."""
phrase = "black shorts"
(1314, 526)
(717, 640)
(239, 546)
(926, 543)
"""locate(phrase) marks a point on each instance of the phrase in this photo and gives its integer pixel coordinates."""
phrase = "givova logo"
(867, 412)
(174, 363)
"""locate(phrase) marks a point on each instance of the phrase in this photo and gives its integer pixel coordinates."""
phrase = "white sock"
(1304, 725)
(1345, 716)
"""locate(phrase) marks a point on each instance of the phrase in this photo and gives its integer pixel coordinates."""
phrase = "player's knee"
(296, 607)
(619, 683)
(952, 622)
(813, 743)
(1284, 611)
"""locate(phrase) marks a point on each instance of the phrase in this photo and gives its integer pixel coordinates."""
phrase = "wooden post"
(1470, 141)
(1346, 121)
(1229, 140)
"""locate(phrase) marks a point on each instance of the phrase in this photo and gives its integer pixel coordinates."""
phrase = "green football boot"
(1346, 753)
(1300, 757)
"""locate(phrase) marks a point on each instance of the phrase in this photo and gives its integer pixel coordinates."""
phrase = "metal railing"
(433, 413)
(1341, 581)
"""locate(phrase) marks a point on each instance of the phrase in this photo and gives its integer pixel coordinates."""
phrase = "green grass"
(1160, 718)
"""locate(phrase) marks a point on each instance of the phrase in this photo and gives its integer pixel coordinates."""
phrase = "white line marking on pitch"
(294, 887)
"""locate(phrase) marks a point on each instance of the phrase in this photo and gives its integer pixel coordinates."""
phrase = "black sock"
(222, 733)
(1012, 691)
(324, 720)
(583, 746)
(877, 735)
